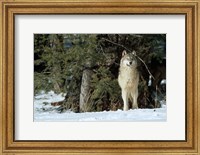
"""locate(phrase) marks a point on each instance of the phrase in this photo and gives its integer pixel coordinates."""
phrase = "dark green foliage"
(60, 59)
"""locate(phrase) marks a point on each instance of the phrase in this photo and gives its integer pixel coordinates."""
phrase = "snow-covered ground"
(44, 112)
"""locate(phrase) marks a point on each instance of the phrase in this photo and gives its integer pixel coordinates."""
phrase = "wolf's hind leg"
(125, 99)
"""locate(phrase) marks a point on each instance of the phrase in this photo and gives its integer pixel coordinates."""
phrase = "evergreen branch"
(135, 55)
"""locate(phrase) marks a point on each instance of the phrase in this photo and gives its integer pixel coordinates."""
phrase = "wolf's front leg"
(134, 97)
(125, 99)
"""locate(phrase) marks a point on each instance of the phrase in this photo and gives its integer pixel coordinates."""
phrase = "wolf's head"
(128, 59)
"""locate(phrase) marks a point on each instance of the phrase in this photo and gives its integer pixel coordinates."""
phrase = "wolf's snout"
(129, 63)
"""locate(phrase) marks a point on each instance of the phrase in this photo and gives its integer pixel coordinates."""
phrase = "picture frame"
(7, 96)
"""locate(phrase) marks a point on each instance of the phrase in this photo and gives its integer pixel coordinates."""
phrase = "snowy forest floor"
(45, 112)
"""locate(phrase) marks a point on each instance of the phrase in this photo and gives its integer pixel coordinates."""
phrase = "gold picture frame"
(9, 8)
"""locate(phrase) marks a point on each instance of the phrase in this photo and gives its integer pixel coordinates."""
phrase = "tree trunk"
(85, 91)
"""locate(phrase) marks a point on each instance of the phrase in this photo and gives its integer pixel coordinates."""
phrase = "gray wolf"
(128, 79)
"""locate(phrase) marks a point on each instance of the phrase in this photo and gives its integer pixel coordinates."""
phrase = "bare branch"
(145, 66)
(117, 44)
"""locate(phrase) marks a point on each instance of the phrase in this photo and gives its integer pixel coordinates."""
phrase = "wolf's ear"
(134, 52)
(124, 52)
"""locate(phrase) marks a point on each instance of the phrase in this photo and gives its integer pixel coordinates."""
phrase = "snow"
(163, 82)
(42, 102)
(44, 112)
(150, 81)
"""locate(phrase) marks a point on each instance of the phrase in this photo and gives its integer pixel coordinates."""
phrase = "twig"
(117, 44)
(135, 55)
(145, 66)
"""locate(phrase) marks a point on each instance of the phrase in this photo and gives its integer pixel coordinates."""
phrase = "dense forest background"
(85, 67)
